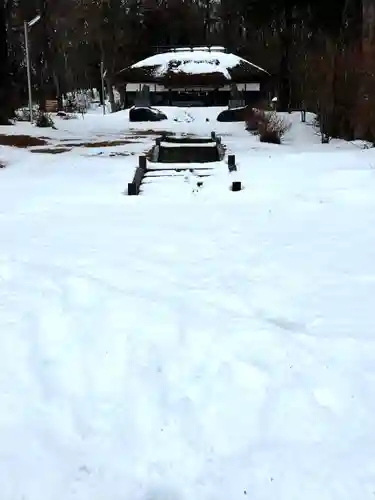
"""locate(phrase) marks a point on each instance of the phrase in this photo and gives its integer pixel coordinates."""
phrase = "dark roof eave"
(130, 77)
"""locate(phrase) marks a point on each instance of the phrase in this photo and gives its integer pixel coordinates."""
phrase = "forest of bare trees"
(319, 52)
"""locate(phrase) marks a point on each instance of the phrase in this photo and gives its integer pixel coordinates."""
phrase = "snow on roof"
(216, 48)
(200, 60)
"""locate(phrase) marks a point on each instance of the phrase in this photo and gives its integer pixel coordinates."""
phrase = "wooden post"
(236, 186)
(213, 136)
(325, 138)
(303, 116)
(232, 167)
(142, 162)
(135, 186)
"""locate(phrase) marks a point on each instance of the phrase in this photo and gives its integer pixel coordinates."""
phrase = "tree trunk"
(123, 99)
(5, 82)
(365, 126)
(46, 80)
(111, 94)
(100, 91)
(284, 102)
(340, 123)
(58, 92)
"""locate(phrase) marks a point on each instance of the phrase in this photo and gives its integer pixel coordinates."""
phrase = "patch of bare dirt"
(21, 141)
(102, 144)
(121, 154)
(145, 133)
(52, 151)
(110, 155)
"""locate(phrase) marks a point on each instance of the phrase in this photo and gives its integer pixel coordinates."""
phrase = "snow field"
(181, 345)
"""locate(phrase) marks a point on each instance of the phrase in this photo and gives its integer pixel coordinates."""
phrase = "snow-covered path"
(176, 346)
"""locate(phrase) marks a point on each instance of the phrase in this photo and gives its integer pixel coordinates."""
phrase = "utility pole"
(27, 25)
(26, 30)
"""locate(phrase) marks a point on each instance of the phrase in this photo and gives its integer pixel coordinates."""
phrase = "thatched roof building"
(198, 66)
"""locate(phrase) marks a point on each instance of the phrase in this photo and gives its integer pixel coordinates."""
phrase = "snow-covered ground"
(187, 345)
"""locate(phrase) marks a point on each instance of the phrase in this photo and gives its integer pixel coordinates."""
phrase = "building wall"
(161, 96)
(135, 87)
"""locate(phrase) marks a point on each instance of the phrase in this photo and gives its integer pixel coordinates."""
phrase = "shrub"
(252, 119)
(22, 114)
(321, 126)
(272, 127)
(44, 120)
